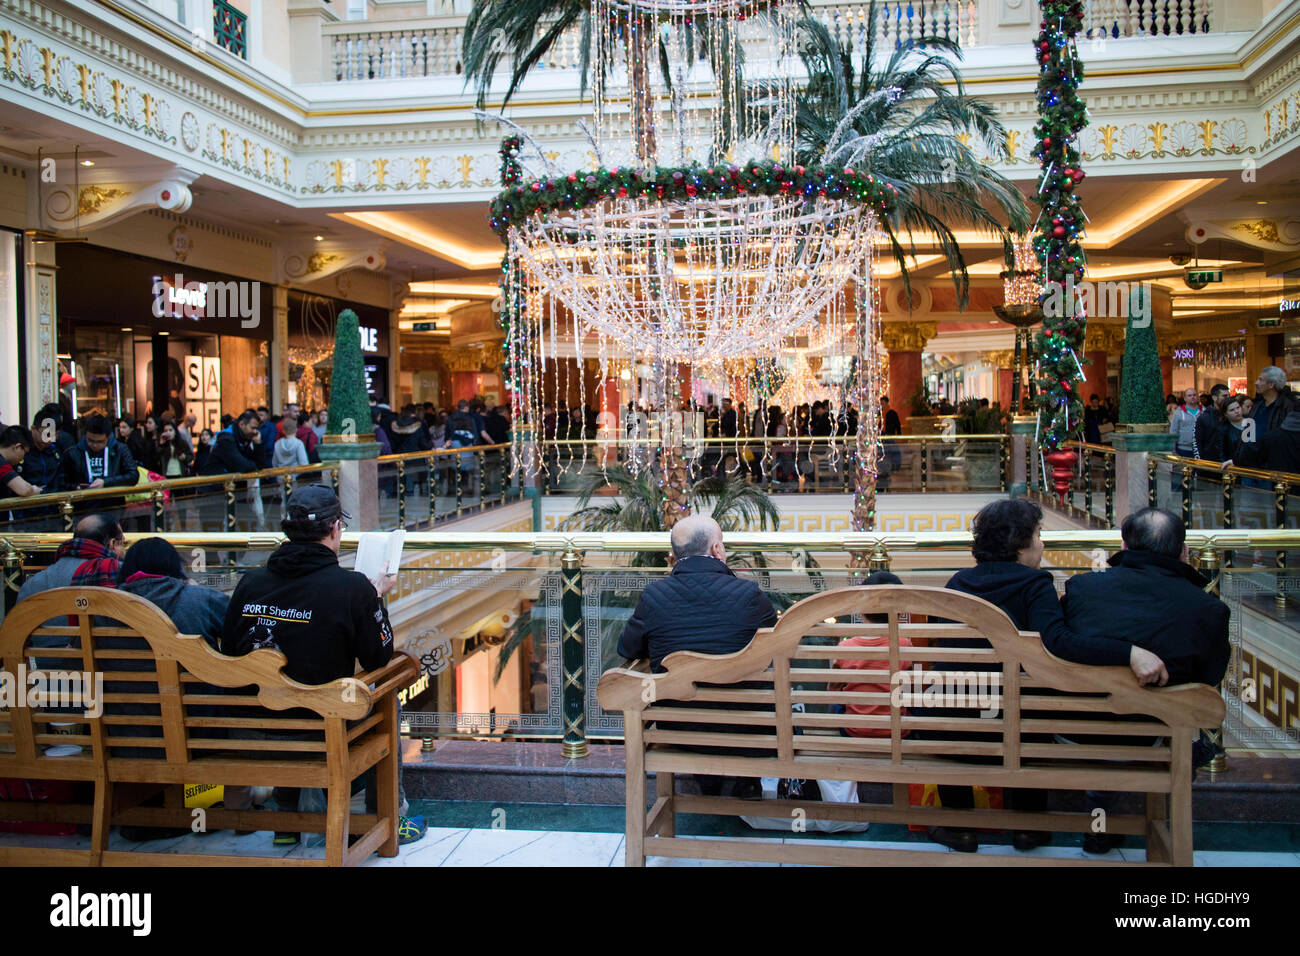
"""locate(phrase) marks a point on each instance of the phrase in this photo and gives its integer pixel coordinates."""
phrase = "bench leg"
(100, 821)
(665, 784)
(1180, 801)
(386, 777)
(338, 795)
(634, 850)
(1157, 816)
(338, 803)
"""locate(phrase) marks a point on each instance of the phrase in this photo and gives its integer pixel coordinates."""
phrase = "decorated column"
(349, 438)
(904, 341)
(1061, 115)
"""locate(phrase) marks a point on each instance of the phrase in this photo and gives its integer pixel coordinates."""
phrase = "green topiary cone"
(349, 401)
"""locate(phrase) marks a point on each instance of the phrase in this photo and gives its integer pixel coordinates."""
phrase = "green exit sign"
(1270, 322)
(1205, 275)
(424, 327)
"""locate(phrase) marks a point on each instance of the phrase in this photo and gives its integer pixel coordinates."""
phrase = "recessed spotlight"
(126, 328)
(164, 333)
(88, 162)
(1261, 202)
(320, 238)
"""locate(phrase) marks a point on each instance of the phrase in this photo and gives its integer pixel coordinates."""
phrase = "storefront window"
(312, 321)
(113, 328)
(1206, 363)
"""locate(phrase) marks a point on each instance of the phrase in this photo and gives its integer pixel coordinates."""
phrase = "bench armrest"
(398, 674)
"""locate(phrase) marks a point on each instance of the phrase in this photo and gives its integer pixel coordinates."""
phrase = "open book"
(379, 553)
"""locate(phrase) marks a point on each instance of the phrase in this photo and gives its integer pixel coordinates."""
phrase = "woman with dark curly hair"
(1008, 555)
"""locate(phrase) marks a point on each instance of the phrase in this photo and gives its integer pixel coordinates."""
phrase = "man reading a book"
(322, 617)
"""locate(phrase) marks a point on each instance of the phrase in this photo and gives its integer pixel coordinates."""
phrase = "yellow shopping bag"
(203, 795)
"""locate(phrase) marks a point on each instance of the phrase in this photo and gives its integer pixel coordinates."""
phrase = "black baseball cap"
(314, 503)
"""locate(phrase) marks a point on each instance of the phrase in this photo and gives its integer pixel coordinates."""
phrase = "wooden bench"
(166, 722)
(794, 661)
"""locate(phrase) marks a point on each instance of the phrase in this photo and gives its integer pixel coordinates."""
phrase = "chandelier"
(696, 241)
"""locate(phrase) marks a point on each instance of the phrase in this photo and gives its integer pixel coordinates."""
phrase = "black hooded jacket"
(702, 606)
(1159, 604)
(1029, 598)
(323, 617)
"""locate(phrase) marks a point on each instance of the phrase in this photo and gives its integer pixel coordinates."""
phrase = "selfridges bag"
(808, 791)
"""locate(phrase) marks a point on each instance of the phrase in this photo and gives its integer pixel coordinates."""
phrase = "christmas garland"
(520, 201)
(1060, 224)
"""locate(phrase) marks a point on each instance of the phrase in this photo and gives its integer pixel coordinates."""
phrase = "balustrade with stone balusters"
(1136, 18)
(393, 49)
(383, 50)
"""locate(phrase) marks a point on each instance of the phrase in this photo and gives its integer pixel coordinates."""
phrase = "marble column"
(905, 341)
(1132, 481)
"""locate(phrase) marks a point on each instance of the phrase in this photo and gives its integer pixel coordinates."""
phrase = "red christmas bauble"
(1059, 232)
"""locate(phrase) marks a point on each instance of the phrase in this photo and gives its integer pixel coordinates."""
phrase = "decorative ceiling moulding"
(1276, 235)
(312, 265)
(153, 120)
(84, 40)
(197, 224)
(95, 205)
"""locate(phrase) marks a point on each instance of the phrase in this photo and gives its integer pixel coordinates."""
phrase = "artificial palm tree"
(637, 505)
(525, 31)
(904, 115)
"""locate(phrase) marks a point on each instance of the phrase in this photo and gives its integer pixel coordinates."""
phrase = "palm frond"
(906, 117)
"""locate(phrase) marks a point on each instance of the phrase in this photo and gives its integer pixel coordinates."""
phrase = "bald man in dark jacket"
(1153, 598)
(702, 606)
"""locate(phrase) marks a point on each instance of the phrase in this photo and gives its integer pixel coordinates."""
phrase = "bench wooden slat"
(978, 655)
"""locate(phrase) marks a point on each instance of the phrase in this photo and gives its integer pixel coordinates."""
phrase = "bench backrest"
(160, 694)
(930, 709)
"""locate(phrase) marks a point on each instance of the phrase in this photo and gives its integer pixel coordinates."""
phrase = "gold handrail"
(1201, 464)
(442, 452)
(808, 439)
(147, 487)
(1089, 446)
(613, 542)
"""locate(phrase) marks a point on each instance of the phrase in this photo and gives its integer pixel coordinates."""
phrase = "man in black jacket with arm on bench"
(1152, 598)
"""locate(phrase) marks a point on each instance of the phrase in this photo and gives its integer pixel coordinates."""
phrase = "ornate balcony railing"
(395, 49)
(230, 28)
(415, 490)
(1137, 18)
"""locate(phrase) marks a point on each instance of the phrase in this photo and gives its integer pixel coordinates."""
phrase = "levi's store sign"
(189, 301)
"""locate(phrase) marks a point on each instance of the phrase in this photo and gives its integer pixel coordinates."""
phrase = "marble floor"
(479, 846)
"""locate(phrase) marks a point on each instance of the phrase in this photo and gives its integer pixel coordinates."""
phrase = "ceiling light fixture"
(88, 162)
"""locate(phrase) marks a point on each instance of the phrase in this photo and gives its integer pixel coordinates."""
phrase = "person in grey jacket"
(95, 536)
(1182, 423)
(152, 569)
